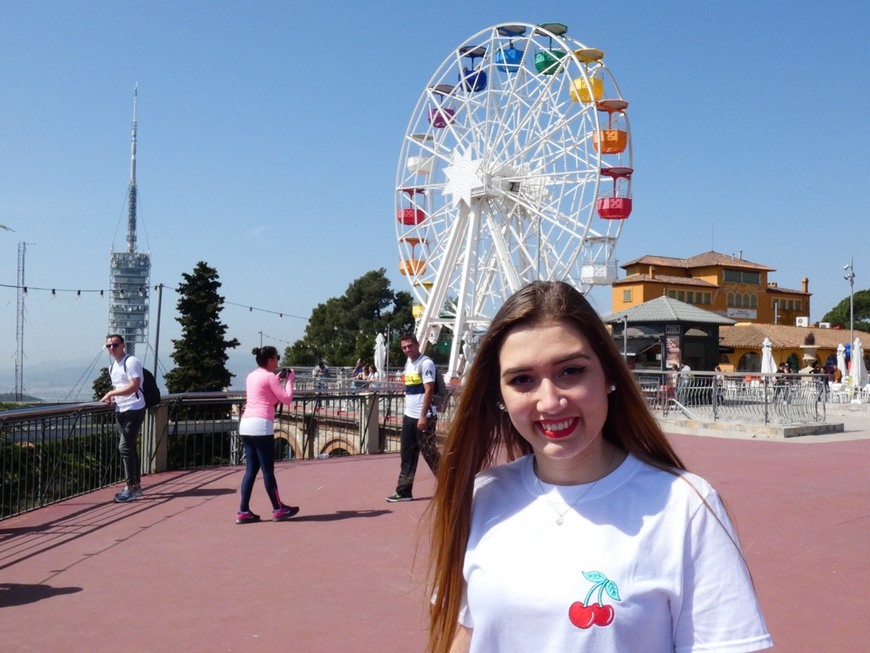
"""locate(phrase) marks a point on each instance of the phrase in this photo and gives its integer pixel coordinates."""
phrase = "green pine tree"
(343, 329)
(839, 315)
(102, 384)
(200, 354)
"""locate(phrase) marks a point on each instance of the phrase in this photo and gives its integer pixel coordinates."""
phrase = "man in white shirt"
(129, 402)
(419, 420)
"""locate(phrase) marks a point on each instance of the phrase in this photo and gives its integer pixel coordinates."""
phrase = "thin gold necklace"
(561, 515)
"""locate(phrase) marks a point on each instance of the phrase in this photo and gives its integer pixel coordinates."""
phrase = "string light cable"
(103, 292)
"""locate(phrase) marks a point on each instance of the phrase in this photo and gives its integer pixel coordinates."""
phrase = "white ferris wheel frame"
(497, 187)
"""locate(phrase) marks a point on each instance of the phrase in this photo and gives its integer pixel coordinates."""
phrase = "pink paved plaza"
(173, 572)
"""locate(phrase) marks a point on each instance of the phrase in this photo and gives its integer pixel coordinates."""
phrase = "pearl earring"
(500, 405)
(612, 387)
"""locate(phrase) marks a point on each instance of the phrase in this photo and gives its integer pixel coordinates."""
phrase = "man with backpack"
(129, 401)
(419, 419)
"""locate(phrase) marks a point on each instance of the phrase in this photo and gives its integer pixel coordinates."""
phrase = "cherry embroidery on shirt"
(585, 615)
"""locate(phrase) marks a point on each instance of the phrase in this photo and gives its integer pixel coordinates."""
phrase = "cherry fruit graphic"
(581, 615)
(585, 615)
(603, 614)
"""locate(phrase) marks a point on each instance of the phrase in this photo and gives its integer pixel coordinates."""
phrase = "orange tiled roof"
(706, 259)
(666, 279)
(750, 336)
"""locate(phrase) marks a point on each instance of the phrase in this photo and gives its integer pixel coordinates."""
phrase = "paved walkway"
(172, 572)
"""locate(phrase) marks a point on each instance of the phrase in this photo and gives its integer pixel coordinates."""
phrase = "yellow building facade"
(721, 283)
(740, 346)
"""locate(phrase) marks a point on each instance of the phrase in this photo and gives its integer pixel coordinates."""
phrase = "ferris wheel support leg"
(438, 293)
(466, 293)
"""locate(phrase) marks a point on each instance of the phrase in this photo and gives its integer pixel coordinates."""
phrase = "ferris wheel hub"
(463, 178)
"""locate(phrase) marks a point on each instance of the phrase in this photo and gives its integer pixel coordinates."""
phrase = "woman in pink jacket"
(257, 428)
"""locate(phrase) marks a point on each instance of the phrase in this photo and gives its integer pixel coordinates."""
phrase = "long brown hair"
(480, 432)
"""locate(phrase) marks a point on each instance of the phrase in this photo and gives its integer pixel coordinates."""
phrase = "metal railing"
(53, 453)
(736, 397)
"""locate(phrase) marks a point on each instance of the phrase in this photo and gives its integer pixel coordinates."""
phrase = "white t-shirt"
(657, 567)
(122, 377)
(417, 374)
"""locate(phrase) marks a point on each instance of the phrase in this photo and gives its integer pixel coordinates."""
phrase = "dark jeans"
(415, 442)
(129, 422)
(259, 455)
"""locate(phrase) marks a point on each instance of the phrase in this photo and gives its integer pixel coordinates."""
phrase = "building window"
(708, 298)
(798, 304)
(742, 276)
(672, 294)
(681, 295)
(754, 301)
(626, 296)
(729, 301)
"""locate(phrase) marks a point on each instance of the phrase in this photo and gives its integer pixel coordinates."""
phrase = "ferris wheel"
(516, 166)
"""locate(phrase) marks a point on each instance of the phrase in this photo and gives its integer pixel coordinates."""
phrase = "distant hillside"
(9, 398)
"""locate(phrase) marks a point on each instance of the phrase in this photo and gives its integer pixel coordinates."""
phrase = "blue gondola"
(473, 80)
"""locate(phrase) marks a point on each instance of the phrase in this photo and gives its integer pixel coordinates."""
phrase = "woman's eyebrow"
(559, 361)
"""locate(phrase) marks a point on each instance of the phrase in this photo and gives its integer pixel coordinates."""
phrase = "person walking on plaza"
(257, 429)
(683, 382)
(565, 520)
(126, 374)
(419, 419)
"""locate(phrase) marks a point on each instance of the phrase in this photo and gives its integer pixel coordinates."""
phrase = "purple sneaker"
(284, 512)
(246, 517)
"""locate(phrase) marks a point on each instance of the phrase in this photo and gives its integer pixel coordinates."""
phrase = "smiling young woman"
(592, 535)
(554, 390)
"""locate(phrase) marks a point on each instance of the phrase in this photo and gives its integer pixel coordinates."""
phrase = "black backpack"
(440, 393)
(148, 387)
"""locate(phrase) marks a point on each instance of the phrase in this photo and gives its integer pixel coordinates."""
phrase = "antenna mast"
(132, 197)
(19, 325)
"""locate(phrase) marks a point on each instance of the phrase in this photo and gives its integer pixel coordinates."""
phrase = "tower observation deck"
(130, 271)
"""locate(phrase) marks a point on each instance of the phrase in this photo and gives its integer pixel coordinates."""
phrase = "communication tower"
(130, 271)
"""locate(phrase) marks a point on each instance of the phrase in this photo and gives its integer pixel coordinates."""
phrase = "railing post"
(309, 434)
(157, 421)
(715, 398)
(369, 421)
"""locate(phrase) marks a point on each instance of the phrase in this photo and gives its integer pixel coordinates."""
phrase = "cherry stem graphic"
(597, 586)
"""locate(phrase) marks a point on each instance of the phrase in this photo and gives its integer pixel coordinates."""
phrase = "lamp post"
(850, 277)
(625, 339)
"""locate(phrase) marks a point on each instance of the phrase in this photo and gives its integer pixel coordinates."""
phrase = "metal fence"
(53, 453)
(736, 397)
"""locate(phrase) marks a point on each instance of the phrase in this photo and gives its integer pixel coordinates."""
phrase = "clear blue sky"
(269, 136)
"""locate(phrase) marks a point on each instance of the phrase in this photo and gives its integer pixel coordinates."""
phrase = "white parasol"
(858, 369)
(768, 366)
(380, 356)
(841, 360)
